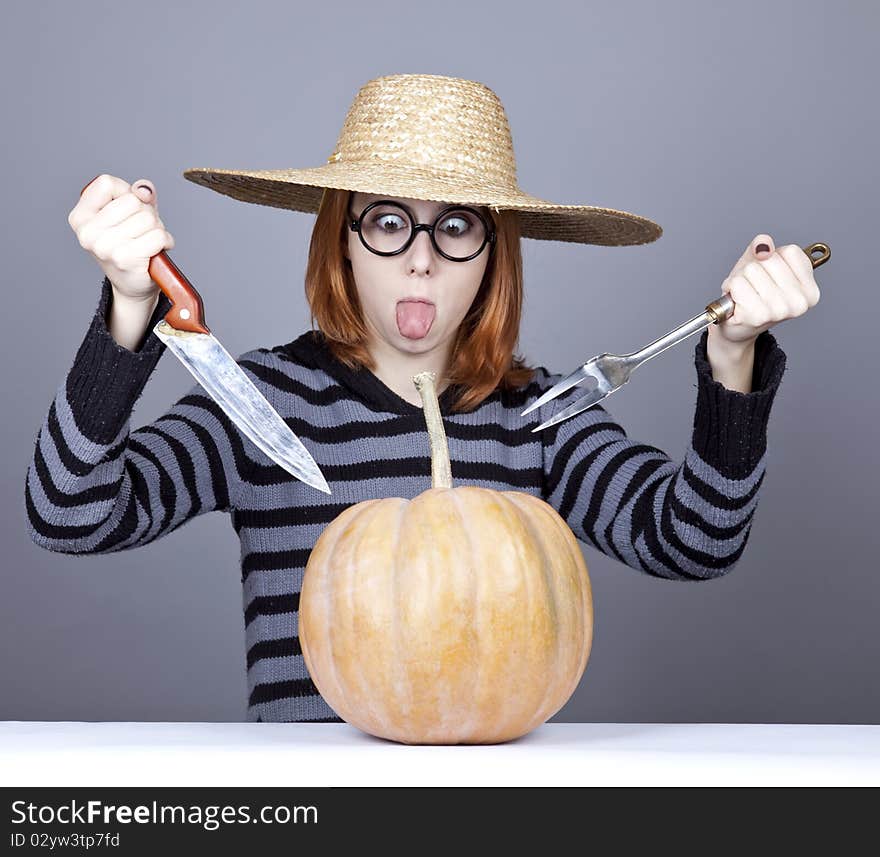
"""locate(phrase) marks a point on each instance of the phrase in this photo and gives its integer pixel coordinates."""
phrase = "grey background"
(718, 123)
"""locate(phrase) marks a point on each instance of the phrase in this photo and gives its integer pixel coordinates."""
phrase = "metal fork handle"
(715, 312)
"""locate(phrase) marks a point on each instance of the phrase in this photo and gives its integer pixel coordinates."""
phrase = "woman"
(390, 301)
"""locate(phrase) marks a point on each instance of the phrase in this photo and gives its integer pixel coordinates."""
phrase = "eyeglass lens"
(459, 233)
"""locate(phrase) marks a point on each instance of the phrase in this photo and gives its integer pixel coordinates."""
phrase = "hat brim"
(302, 189)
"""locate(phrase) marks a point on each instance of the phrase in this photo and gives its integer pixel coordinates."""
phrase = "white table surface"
(336, 754)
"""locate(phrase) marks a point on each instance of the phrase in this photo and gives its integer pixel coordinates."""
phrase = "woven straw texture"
(432, 137)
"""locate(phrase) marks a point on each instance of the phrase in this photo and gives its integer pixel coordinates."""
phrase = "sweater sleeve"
(687, 520)
(95, 486)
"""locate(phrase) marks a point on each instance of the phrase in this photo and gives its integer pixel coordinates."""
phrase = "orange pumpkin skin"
(463, 616)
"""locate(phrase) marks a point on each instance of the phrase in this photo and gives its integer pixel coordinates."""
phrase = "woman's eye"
(455, 226)
(389, 222)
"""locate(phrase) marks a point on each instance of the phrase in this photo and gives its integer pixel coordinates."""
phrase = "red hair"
(482, 353)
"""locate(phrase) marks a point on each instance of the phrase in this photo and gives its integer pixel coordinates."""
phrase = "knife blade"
(186, 335)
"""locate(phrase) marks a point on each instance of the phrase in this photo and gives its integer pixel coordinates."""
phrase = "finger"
(776, 301)
(128, 256)
(100, 191)
(145, 190)
(751, 253)
(140, 223)
(113, 215)
(151, 243)
(802, 265)
(123, 206)
(787, 284)
(748, 304)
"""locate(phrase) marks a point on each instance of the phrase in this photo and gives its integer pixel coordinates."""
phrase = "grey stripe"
(278, 669)
(693, 537)
(101, 474)
(655, 565)
(273, 626)
(617, 487)
(581, 451)
(731, 487)
(307, 708)
(83, 515)
(622, 529)
(675, 555)
(712, 514)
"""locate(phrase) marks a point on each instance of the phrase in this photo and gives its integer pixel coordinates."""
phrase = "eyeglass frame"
(354, 225)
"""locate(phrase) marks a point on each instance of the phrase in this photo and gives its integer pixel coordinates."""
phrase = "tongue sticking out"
(414, 319)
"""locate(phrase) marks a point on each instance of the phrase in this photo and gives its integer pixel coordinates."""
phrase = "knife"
(184, 332)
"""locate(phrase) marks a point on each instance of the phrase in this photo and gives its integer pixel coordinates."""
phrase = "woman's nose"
(421, 251)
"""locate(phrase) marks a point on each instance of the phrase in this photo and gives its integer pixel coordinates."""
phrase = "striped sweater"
(96, 486)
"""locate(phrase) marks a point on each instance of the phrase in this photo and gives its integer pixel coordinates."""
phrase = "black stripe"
(271, 605)
(59, 532)
(166, 494)
(282, 690)
(564, 453)
(274, 561)
(407, 424)
(279, 380)
(324, 513)
(472, 471)
(646, 470)
(219, 484)
(285, 647)
(714, 497)
(123, 529)
(310, 720)
(126, 526)
(687, 515)
(141, 490)
(184, 463)
(643, 522)
(115, 451)
(520, 397)
(611, 471)
(93, 494)
(402, 468)
(575, 480)
(73, 463)
(701, 558)
(286, 516)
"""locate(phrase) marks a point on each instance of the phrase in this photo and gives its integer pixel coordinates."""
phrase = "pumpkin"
(462, 616)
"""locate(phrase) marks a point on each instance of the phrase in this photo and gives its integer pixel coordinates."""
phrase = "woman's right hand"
(119, 226)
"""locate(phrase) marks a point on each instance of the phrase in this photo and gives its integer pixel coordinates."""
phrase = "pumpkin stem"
(441, 472)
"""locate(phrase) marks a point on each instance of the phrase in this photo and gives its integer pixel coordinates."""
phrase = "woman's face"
(416, 300)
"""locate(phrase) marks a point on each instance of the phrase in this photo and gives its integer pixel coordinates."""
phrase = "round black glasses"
(386, 228)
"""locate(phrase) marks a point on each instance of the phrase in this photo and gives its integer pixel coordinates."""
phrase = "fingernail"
(762, 248)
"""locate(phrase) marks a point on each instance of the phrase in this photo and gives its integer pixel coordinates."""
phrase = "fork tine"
(584, 402)
(576, 377)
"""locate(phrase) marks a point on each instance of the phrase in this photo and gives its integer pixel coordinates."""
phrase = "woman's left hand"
(767, 287)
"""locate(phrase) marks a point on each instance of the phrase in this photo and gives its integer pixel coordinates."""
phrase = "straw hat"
(431, 137)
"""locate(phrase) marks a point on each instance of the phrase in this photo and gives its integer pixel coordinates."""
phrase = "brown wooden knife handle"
(187, 310)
